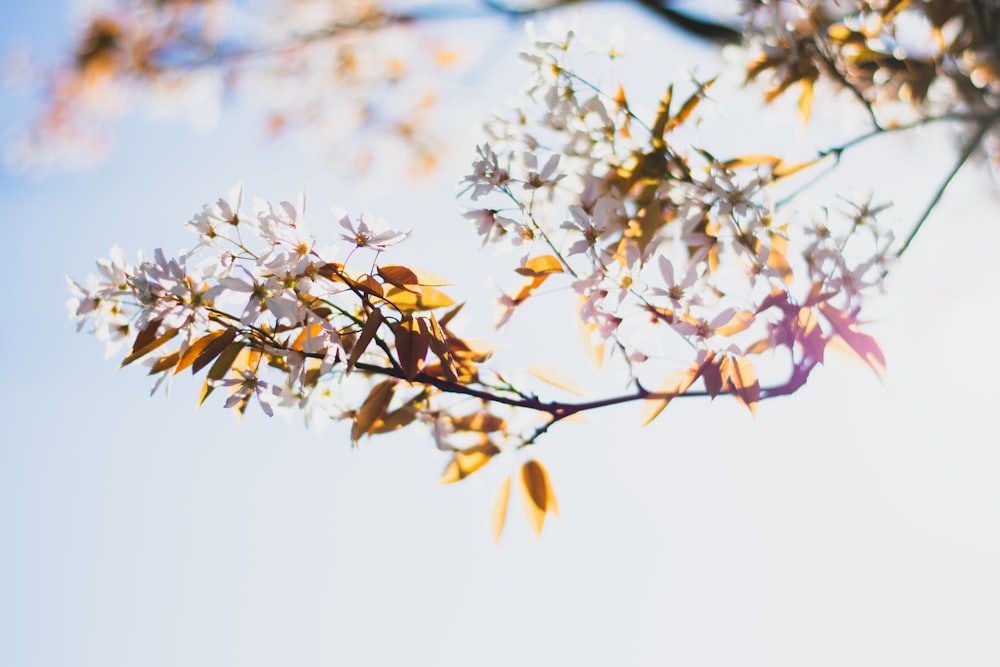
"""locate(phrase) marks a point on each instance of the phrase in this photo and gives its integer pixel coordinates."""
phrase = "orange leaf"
(218, 370)
(540, 266)
(411, 347)
(427, 299)
(469, 460)
(556, 378)
(538, 494)
(372, 409)
(402, 276)
(367, 334)
(499, 514)
(739, 321)
(678, 383)
(746, 387)
(146, 341)
(202, 345)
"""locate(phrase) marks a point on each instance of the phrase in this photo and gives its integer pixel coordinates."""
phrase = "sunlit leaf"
(196, 348)
(806, 100)
(499, 514)
(368, 332)
(427, 299)
(165, 362)
(746, 387)
(467, 461)
(595, 351)
(677, 383)
(402, 276)
(438, 341)
(370, 285)
(219, 369)
(447, 317)
(411, 347)
(739, 321)
(556, 378)
(373, 408)
(147, 341)
(864, 346)
(689, 106)
(541, 265)
(483, 422)
(751, 161)
(538, 494)
(662, 117)
(308, 332)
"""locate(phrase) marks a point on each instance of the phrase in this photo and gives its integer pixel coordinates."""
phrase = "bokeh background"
(852, 523)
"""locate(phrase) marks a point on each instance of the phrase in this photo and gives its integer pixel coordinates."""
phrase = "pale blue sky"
(848, 524)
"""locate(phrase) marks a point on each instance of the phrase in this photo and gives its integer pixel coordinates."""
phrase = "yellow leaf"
(556, 378)
(540, 266)
(427, 299)
(594, 350)
(469, 460)
(751, 161)
(806, 100)
(677, 383)
(538, 494)
(740, 321)
(499, 514)
(746, 387)
(401, 276)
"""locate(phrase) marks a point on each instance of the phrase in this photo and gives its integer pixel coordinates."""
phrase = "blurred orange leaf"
(539, 496)
(540, 266)
(499, 514)
(556, 378)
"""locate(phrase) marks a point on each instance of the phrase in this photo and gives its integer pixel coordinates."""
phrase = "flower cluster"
(667, 247)
(902, 60)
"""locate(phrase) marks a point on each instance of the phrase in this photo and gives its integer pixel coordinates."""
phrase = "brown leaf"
(372, 409)
(482, 422)
(165, 362)
(218, 370)
(368, 332)
(402, 276)
(438, 342)
(199, 346)
(411, 347)
(147, 341)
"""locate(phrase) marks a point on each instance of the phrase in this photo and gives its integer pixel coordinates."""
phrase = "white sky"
(849, 524)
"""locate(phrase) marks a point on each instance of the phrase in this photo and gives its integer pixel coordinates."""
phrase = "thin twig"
(970, 148)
